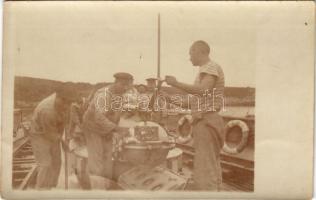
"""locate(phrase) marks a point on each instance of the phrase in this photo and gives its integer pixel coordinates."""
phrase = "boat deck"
(24, 171)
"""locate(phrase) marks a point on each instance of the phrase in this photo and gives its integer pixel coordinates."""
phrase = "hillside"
(28, 91)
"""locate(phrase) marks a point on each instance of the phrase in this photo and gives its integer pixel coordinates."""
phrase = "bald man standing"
(208, 125)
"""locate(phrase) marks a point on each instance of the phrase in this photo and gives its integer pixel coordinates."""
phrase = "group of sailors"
(96, 122)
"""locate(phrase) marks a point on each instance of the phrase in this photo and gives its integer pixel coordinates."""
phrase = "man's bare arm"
(179, 101)
(207, 83)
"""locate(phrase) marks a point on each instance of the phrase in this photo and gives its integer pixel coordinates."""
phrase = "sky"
(89, 42)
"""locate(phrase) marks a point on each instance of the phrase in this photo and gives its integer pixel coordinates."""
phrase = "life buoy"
(185, 135)
(245, 133)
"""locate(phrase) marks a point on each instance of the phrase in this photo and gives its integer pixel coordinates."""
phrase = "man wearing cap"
(100, 124)
(47, 126)
(151, 84)
(141, 88)
(208, 126)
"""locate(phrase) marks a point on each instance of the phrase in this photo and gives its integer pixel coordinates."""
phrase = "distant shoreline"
(32, 105)
(28, 91)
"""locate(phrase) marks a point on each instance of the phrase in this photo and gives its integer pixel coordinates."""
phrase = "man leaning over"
(47, 126)
(100, 124)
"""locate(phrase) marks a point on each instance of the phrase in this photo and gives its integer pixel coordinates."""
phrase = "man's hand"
(123, 131)
(118, 133)
(171, 80)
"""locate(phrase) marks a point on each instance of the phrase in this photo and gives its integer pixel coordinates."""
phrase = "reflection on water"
(238, 111)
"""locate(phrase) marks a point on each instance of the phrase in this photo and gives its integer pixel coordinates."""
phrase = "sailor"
(208, 126)
(130, 98)
(151, 84)
(100, 124)
(141, 88)
(47, 127)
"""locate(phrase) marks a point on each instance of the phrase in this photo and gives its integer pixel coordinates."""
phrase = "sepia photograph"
(135, 96)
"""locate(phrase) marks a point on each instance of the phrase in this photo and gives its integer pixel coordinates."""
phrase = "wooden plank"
(27, 177)
(237, 166)
(18, 179)
(26, 162)
(21, 160)
(22, 171)
(23, 164)
(19, 143)
(223, 162)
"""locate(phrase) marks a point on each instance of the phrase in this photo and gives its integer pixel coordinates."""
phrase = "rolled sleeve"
(210, 69)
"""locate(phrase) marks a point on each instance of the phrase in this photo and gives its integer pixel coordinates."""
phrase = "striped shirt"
(213, 98)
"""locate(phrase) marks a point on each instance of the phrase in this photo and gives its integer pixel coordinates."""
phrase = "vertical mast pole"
(158, 52)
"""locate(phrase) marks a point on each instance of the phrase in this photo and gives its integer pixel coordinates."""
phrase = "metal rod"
(158, 56)
(66, 159)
